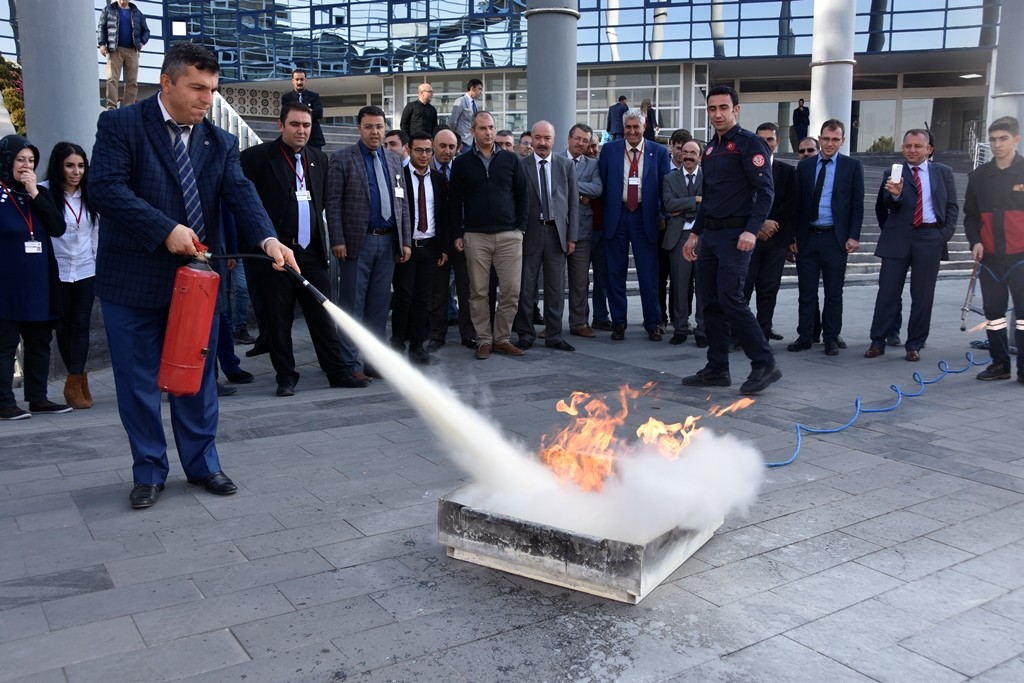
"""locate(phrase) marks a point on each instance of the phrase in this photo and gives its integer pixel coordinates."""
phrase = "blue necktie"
(189, 190)
(300, 184)
(473, 102)
(382, 188)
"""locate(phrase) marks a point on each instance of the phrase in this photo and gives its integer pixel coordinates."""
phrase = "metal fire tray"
(612, 569)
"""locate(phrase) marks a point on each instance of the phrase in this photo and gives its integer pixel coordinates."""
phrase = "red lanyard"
(78, 216)
(27, 217)
(305, 168)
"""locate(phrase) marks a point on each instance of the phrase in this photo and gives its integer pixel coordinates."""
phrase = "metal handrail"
(982, 153)
(223, 115)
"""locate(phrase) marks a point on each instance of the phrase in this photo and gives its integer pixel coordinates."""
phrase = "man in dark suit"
(801, 121)
(291, 179)
(165, 170)
(431, 240)
(588, 183)
(303, 95)
(552, 230)
(920, 212)
(773, 239)
(831, 191)
(681, 195)
(366, 196)
(420, 115)
(632, 171)
(615, 112)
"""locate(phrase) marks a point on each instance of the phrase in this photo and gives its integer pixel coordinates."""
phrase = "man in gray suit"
(465, 108)
(588, 183)
(366, 197)
(681, 194)
(551, 233)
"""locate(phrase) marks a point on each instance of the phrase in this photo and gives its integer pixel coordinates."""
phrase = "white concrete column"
(832, 64)
(551, 50)
(58, 60)
(1008, 76)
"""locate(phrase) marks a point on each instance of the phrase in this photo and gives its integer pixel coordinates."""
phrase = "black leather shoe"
(602, 325)
(285, 389)
(240, 377)
(618, 332)
(840, 342)
(760, 378)
(524, 345)
(831, 348)
(707, 378)
(893, 340)
(145, 495)
(677, 338)
(348, 382)
(256, 350)
(773, 335)
(654, 335)
(371, 371)
(421, 357)
(799, 345)
(702, 342)
(560, 346)
(217, 483)
(469, 343)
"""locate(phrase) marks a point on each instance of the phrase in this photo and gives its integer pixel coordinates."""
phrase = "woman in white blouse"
(76, 265)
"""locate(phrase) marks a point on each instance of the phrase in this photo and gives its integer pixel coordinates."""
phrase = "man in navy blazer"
(632, 171)
(145, 236)
(831, 191)
(919, 213)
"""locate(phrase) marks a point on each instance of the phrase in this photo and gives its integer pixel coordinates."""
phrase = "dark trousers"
(438, 307)
(599, 263)
(36, 336)
(923, 263)
(821, 258)
(414, 287)
(630, 231)
(1002, 278)
(765, 275)
(665, 295)
(76, 299)
(135, 337)
(721, 274)
(278, 292)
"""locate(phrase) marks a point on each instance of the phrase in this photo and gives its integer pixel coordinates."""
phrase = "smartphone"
(897, 173)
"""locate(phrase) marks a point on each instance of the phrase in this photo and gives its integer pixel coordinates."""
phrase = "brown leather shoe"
(584, 331)
(362, 377)
(483, 352)
(913, 356)
(873, 352)
(508, 348)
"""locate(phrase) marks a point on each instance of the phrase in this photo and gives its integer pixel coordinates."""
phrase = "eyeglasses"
(807, 151)
(422, 150)
(826, 139)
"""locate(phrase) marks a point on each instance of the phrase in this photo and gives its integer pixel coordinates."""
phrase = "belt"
(822, 228)
(380, 231)
(546, 222)
(422, 242)
(927, 225)
(726, 223)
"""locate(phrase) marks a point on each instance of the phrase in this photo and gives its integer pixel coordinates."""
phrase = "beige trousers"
(126, 59)
(503, 251)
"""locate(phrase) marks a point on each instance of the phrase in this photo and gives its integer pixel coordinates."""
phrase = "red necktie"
(919, 206)
(632, 191)
(422, 202)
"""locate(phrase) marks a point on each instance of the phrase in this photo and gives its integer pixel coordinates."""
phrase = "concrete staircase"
(336, 136)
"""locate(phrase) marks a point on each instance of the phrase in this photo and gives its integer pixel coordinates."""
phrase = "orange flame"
(977, 328)
(584, 453)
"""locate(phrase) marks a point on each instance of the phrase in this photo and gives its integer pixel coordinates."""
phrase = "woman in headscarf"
(28, 293)
(67, 179)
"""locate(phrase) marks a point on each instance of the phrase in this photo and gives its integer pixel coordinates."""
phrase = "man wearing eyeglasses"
(807, 147)
(831, 190)
(420, 115)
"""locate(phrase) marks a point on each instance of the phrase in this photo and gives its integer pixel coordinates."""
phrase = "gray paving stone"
(167, 565)
(836, 588)
(894, 527)
(211, 614)
(1012, 670)
(214, 531)
(379, 547)
(118, 602)
(895, 664)
(303, 627)
(959, 594)
(261, 572)
(1002, 566)
(395, 520)
(316, 663)
(422, 670)
(776, 659)
(68, 647)
(290, 540)
(738, 544)
(914, 559)
(971, 643)
(985, 532)
(53, 519)
(51, 676)
(821, 552)
(739, 580)
(163, 662)
(22, 622)
(1010, 605)
(339, 584)
(40, 588)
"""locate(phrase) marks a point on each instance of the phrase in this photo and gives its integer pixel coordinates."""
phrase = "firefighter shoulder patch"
(757, 160)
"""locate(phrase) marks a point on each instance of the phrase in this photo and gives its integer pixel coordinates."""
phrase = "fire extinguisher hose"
(317, 294)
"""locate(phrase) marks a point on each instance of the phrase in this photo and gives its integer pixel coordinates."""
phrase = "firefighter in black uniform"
(737, 197)
(994, 223)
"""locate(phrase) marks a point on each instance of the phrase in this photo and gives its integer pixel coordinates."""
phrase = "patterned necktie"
(689, 183)
(919, 205)
(382, 187)
(300, 184)
(632, 191)
(545, 208)
(819, 186)
(448, 171)
(421, 203)
(300, 99)
(189, 190)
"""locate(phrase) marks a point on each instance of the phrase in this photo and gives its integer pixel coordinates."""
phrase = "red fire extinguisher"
(187, 338)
